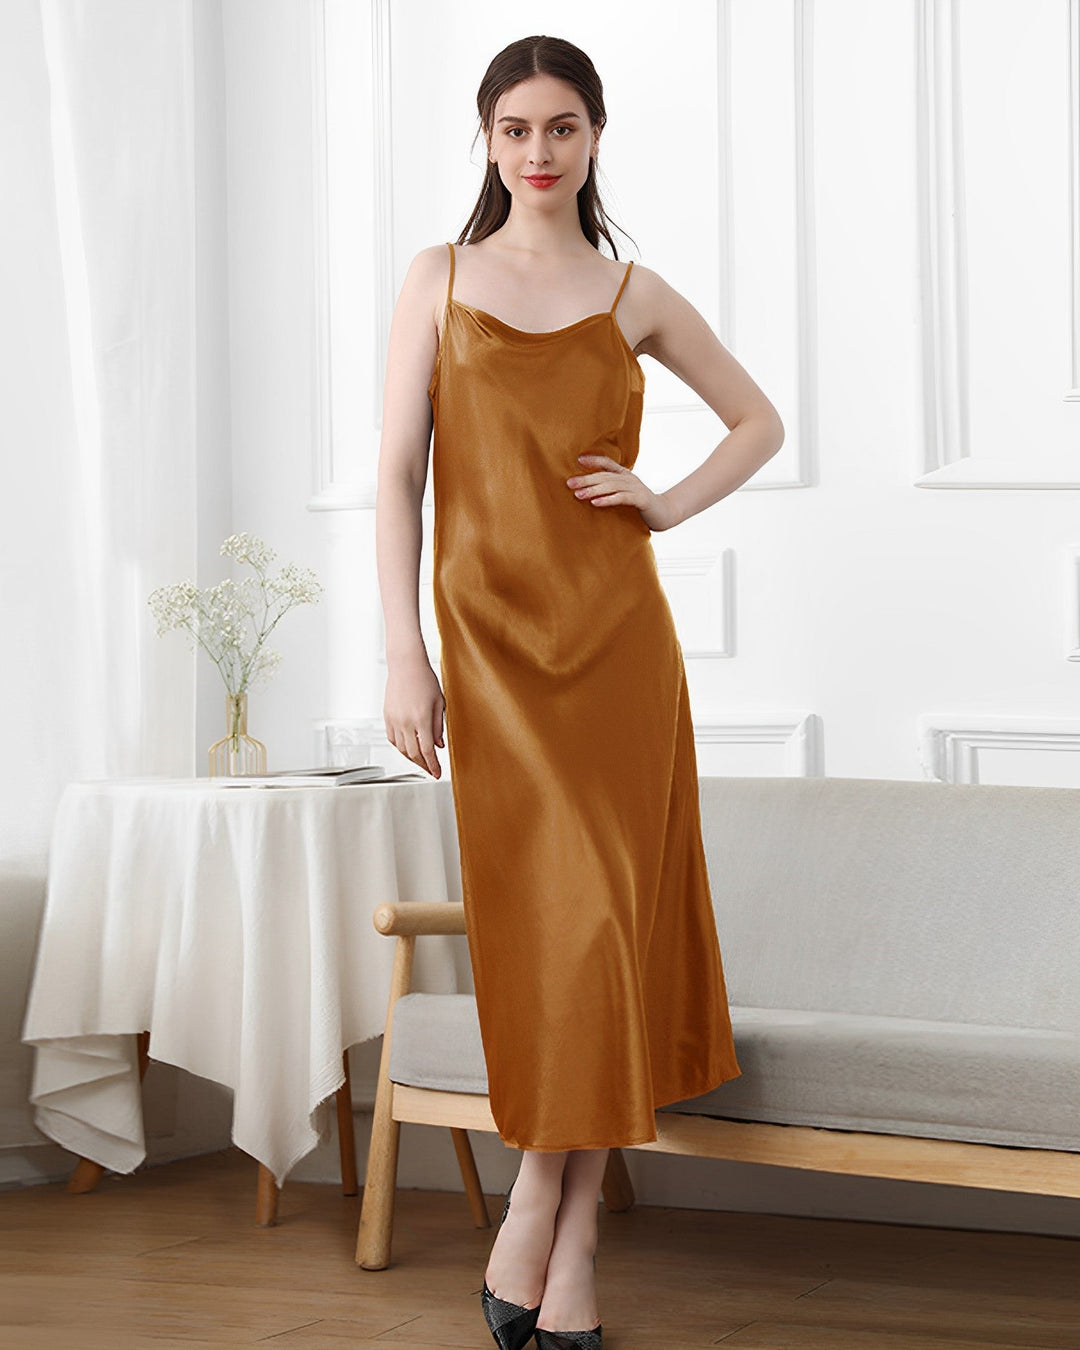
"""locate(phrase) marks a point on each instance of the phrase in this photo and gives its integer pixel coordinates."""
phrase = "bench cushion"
(891, 1075)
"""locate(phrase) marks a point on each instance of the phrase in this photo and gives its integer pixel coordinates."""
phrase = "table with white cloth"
(234, 924)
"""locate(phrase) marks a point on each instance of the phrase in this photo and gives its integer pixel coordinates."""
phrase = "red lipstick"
(542, 180)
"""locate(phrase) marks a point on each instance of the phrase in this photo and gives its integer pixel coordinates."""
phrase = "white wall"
(881, 220)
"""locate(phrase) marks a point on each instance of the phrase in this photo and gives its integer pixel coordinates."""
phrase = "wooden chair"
(396, 1103)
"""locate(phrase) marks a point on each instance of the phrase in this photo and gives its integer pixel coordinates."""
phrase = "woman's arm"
(678, 337)
(413, 708)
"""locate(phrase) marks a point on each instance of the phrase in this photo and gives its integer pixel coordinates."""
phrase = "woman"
(597, 971)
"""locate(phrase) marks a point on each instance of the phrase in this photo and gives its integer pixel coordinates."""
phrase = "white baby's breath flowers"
(247, 548)
(232, 620)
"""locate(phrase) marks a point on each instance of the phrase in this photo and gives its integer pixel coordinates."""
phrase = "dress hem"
(622, 1143)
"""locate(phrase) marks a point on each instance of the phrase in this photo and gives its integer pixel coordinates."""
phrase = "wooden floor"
(170, 1258)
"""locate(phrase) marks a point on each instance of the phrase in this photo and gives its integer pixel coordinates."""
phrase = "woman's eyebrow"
(557, 118)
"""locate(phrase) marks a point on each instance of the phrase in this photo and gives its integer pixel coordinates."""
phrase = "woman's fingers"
(412, 714)
(606, 490)
(591, 484)
(427, 751)
(613, 499)
(417, 746)
(601, 459)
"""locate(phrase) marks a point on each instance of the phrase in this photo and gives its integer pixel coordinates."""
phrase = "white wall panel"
(998, 130)
(877, 208)
(1023, 751)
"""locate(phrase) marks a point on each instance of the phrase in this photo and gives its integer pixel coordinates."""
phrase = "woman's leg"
(569, 1302)
(518, 1261)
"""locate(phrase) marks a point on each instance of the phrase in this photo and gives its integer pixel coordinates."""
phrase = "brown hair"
(538, 55)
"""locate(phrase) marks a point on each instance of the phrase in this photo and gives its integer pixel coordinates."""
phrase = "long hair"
(538, 55)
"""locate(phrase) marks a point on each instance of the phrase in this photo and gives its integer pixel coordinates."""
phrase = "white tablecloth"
(234, 925)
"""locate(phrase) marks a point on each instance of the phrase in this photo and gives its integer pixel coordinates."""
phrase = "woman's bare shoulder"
(429, 262)
(647, 299)
(426, 280)
(647, 282)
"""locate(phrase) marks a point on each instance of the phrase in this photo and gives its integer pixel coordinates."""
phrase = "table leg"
(87, 1173)
(85, 1178)
(346, 1134)
(266, 1198)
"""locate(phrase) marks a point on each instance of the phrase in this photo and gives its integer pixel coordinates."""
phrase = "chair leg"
(88, 1174)
(380, 1182)
(346, 1134)
(471, 1177)
(617, 1186)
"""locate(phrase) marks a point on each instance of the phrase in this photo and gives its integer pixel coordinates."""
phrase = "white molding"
(950, 744)
(947, 458)
(803, 471)
(715, 573)
(941, 230)
(1071, 557)
(798, 732)
(1042, 471)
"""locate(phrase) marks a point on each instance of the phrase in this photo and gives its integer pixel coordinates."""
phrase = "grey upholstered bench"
(903, 966)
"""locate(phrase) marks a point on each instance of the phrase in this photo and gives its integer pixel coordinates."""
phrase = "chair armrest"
(418, 917)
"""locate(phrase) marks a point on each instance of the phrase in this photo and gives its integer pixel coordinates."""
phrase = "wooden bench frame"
(900, 1157)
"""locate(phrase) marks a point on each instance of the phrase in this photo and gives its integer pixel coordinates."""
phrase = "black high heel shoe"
(570, 1340)
(511, 1324)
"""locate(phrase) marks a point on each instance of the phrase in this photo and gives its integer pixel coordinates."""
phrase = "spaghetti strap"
(626, 278)
(450, 283)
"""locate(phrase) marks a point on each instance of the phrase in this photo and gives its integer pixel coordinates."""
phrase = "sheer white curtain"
(122, 121)
(97, 148)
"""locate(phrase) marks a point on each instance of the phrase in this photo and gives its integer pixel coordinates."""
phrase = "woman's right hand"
(413, 711)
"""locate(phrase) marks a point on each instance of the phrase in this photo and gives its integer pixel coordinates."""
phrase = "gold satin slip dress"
(599, 985)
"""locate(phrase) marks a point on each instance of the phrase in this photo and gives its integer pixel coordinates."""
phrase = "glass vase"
(236, 752)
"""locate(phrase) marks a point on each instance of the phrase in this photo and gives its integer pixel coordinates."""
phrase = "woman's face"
(541, 131)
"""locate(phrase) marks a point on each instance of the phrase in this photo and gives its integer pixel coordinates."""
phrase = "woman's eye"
(564, 126)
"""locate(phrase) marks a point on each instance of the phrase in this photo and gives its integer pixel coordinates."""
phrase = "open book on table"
(319, 777)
